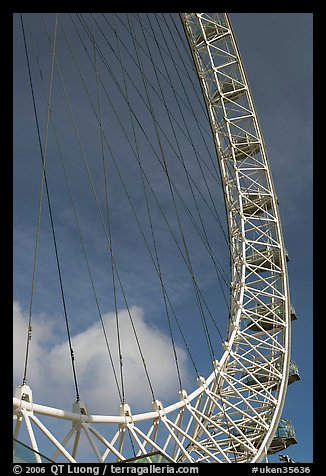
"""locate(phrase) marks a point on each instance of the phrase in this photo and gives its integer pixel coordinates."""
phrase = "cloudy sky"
(279, 68)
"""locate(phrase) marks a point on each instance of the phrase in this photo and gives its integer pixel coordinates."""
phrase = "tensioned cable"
(204, 163)
(144, 132)
(100, 213)
(108, 216)
(184, 166)
(152, 233)
(149, 142)
(185, 71)
(72, 357)
(181, 156)
(149, 185)
(183, 43)
(199, 123)
(184, 242)
(130, 199)
(29, 332)
(215, 176)
(182, 161)
(169, 53)
(215, 370)
(153, 151)
(144, 178)
(227, 206)
(77, 221)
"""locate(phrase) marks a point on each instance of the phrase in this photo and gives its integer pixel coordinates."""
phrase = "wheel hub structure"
(227, 418)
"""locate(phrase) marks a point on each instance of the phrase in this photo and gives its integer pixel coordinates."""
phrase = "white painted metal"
(225, 419)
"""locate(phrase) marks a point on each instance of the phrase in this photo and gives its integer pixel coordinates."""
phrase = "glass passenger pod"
(283, 438)
(243, 147)
(266, 257)
(293, 313)
(255, 203)
(231, 91)
(294, 375)
(262, 375)
(268, 316)
(213, 32)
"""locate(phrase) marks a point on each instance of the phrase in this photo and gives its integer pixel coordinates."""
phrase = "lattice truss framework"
(233, 414)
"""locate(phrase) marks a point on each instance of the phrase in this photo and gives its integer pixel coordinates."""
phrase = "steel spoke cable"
(221, 120)
(139, 123)
(185, 71)
(184, 44)
(188, 174)
(229, 206)
(29, 331)
(161, 211)
(227, 401)
(100, 212)
(170, 121)
(193, 84)
(150, 143)
(191, 271)
(199, 123)
(194, 182)
(135, 212)
(214, 176)
(72, 357)
(147, 180)
(151, 227)
(162, 94)
(77, 221)
(108, 216)
(189, 183)
(168, 52)
(184, 165)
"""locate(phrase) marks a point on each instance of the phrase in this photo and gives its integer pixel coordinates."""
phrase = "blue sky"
(276, 49)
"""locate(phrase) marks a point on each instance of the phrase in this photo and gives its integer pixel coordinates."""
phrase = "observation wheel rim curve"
(224, 388)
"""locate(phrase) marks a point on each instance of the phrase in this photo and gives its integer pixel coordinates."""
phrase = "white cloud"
(50, 371)
(42, 332)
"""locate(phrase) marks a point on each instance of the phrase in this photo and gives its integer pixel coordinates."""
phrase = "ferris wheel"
(232, 414)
